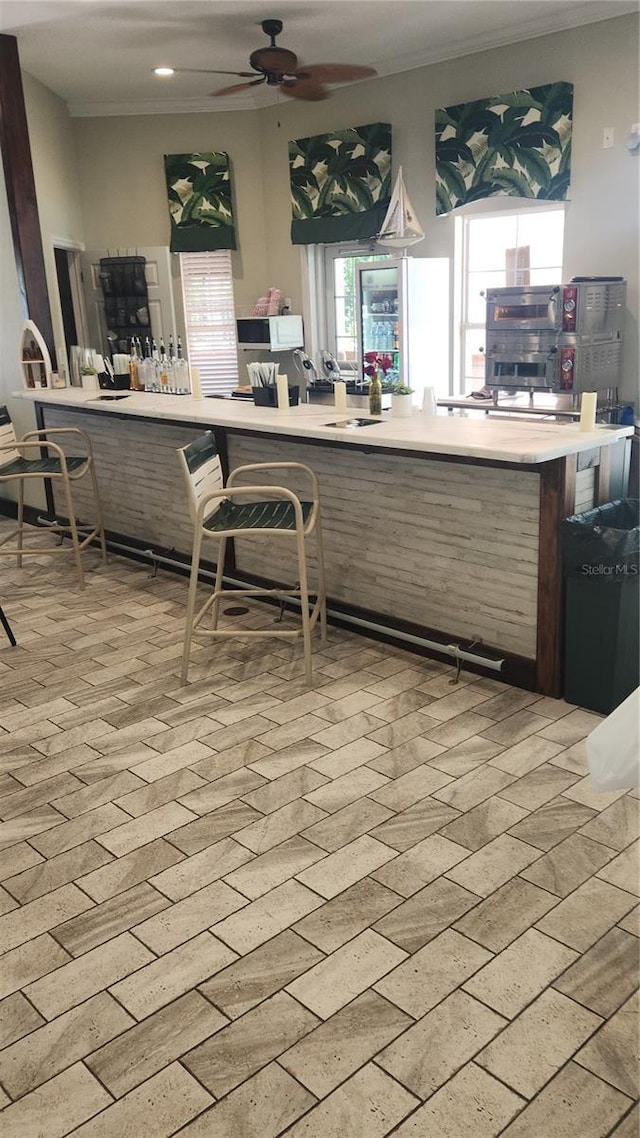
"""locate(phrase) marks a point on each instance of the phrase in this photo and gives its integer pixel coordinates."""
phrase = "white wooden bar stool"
(217, 513)
(59, 467)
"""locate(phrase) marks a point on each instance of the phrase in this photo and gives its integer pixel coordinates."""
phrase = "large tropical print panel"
(517, 144)
(340, 184)
(199, 192)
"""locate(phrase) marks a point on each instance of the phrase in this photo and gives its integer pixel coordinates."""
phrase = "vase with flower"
(377, 365)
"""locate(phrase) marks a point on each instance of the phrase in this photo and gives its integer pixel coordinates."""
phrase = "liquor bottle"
(171, 348)
(133, 366)
(162, 370)
(155, 355)
(375, 395)
(179, 349)
(147, 348)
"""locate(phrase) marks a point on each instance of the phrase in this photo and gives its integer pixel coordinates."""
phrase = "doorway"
(70, 292)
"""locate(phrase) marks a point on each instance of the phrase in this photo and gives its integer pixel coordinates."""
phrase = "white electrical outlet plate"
(608, 137)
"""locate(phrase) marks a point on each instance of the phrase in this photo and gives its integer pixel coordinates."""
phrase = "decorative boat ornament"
(400, 226)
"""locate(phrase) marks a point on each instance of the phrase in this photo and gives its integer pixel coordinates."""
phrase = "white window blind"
(210, 324)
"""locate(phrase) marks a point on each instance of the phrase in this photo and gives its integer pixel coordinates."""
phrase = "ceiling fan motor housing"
(273, 59)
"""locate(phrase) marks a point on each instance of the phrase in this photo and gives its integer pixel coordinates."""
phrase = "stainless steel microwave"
(270, 333)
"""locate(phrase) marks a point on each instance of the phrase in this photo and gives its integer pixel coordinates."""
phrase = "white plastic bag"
(613, 748)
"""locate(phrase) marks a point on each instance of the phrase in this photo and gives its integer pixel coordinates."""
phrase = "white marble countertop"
(488, 438)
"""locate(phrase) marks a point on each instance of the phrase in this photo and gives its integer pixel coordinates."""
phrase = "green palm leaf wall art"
(340, 184)
(517, 144)
(199, 191)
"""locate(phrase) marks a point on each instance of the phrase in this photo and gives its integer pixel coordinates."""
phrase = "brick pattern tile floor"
(387, 904)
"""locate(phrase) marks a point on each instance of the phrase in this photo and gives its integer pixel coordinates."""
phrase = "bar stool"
(279, 513)
(56, 465)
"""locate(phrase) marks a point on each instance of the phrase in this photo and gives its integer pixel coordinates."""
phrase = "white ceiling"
(99, 55)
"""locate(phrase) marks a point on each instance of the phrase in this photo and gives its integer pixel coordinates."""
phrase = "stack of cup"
(429, 403)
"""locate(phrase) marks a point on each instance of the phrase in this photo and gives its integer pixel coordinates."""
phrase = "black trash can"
(602, 579)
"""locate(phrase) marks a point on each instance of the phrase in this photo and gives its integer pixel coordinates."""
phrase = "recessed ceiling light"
(163, 71)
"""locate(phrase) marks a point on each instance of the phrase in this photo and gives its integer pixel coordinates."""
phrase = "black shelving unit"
(126, 301)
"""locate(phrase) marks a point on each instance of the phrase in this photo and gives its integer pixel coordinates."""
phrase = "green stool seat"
(256, 515)
(47, 466)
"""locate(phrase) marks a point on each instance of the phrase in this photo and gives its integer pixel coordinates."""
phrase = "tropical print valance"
(199, 191)
(340, 184)
(517, 144)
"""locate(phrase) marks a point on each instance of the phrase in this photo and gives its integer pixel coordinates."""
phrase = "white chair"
(279, 513)
(49, 461)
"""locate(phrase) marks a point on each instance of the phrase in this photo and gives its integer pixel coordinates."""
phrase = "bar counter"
(442, 530)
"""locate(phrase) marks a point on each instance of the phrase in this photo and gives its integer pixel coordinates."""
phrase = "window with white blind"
(210, 324)
(495, 250)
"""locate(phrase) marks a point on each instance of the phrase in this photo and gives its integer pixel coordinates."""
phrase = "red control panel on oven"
(567, 367)
(569, 304)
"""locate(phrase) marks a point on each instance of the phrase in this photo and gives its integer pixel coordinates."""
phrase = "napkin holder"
(268, 396)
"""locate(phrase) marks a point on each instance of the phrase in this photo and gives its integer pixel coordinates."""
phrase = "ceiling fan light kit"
(278, 67)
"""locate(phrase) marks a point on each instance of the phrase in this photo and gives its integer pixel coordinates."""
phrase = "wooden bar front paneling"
(436, 544)
(557, 500)
(413, 542)
(21, 194)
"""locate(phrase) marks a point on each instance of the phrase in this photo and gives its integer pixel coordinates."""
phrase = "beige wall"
(121, 177)
(55, 169)
(121, 180)
(601, 230)
(101, 180)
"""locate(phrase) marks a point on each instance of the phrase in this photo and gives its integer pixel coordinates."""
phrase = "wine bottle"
(375, 395)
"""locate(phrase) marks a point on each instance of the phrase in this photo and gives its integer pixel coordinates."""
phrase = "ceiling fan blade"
(334, 72)
(208, 71)
(304, 89)
(237, 87)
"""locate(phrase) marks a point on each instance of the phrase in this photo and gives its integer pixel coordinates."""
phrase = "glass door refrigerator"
(402, 309)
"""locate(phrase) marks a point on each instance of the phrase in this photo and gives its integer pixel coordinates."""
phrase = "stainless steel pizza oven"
(562, 338)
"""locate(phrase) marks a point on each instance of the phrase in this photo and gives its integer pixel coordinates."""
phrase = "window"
(210, 325)
(342, 326)
(498, 250)
(330, 301)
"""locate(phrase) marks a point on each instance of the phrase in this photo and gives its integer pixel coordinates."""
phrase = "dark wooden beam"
(557, 501)
(21, 194)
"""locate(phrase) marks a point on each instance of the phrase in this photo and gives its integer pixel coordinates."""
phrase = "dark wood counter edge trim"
(557, 501)
(517, 670)
(397, 452)
(220, 428)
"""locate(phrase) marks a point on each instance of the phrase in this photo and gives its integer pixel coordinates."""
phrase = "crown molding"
(264, 96)
(199, 105)
(534, 29)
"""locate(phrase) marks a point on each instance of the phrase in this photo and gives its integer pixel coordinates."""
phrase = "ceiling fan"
(278, 67)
